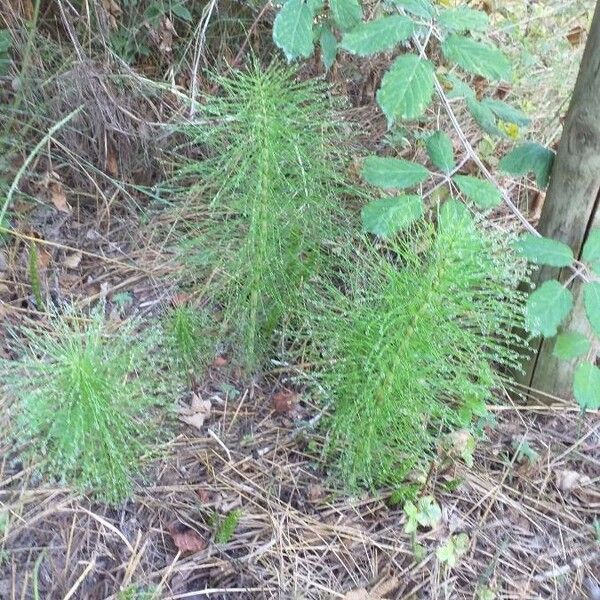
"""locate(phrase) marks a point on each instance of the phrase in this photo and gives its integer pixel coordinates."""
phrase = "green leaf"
(453, 549)
(292, 29)
(346, 13)
(328, 47)
(506, 112)
(544, 251)
(181, 11)
(482, 193)
(440, 151)
(388, 216)
(420, 8)
(591, 301)
(477, 58)
(586, 386)
(376, 36)
(591, 250)
(429, 512)
(485, 117)
(389, 173)
(529, 157)
(5, 40)
(463, 19)
(453, 212)
(547, 307)
(570, 345)
(410, 510)
(459, 89)
(406, 89)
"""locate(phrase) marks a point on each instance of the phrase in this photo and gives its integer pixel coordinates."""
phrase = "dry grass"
(530, 523)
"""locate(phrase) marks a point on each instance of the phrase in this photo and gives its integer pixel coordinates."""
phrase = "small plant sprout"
(226, 527)
(426, 513)
(78, 394)
(453, 550)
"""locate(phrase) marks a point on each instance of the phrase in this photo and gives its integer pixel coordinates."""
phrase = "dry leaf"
(180, 299)
(284, 401)
(219, 361)
(51, 182)
(567, 481)
(72, 260)
(187, 540)
(315, 492)
(576, 35)
(197, 413)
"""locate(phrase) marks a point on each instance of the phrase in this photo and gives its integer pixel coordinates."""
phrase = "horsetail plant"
(78, 395)
(270, 186)
(412, 341)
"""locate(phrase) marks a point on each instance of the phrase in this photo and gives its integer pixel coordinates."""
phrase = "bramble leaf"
(591, 301)
(477, 58)
(506, 112)
(389, 173)
(586, 386)
(484, 116)
(544, 251)
(346, 13)
(378, 35)
(420, 8)
(406, 89)
(570, 345)
(547, 307)
(463, 19)
(388, 216)
(591, 250)
(440, 151)
(482, 193)
(529, 157)
(328, 47)
(453, 212)
(292, 29)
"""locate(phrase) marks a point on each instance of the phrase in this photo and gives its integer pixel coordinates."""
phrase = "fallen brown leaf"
(576, 35)
(186, 540)
(220, 361)
(197, 413)
(72, 260)
(284, 401)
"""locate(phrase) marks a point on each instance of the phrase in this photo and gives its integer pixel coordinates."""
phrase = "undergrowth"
(78, 395)
(412, 343)
(270, 184)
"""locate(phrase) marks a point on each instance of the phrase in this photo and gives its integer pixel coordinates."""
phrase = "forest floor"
(530, 500)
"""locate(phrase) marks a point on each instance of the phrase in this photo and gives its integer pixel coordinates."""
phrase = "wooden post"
(570, 211)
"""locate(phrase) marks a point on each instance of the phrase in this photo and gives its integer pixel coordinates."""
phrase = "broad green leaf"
(411, 512)
(453, 212)
(5, 40)
(506, 112)
(529, 157)
(376, 36)
(328, 47)
(440, 151)
(346, 13)
(390, 173)
(570, 345)
(292, 29)
(458, 88)
(586, 386)
(544, 251)
(406, 89)
(591, 301)
(547, 307)
(463, 19)
(477, 58)
(388, 216)
(429, 512)
(485, 117)
(182, 12)
(420, 8)
(482, 193)
(453, 549)
(591, 250)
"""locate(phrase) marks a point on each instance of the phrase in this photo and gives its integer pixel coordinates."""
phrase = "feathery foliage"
(189, 341)
(78, 395)
(412, 343)
(270, 184)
